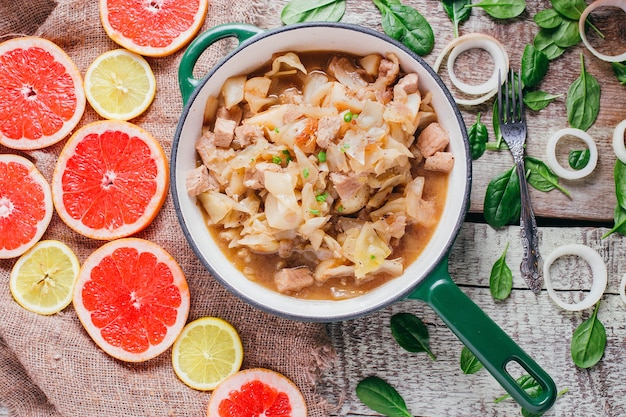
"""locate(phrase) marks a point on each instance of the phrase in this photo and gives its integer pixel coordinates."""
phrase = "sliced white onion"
(598, 271)
(475, 41)
(570, 174)
(618, 141)
(622, 289)
(581, 28)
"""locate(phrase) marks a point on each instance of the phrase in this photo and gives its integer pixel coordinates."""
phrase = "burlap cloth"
(48, 365)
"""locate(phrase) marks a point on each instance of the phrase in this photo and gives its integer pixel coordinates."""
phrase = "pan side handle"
(487, 341)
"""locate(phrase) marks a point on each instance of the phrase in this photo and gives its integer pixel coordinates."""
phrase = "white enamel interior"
(251, 55)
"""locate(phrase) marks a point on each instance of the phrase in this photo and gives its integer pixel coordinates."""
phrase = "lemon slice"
(43, 278)
(120, 85)
(208, 351)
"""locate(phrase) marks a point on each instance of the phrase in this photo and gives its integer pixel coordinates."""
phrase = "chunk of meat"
(247, 134)
(346, 186)
(255, 178)
(388, 70)
(327, 130)
(440, 161)
(205, 146)
(197, 181)
(224, 132)
(433, 139)
(408, 83)
(235, 114)
(293, 279)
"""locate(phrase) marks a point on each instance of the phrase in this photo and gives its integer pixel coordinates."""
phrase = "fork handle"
(531, 262)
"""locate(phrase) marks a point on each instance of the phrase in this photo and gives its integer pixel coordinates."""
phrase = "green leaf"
(548, 19)
(526, 382)
(544, 41)
(588, 341)
(496, 123)
(407, 25)
(501, 9)
(538, 100)
(469, 363)
(502, 203)
(457, 12)
(381, 397)
(478, 137)
(534, 66)
(411, 333)
(297, 11)
(619, 69)
(541, 177)
(567, 34)
(578, 158)
(583, 100)
(619, 178)
(572, 9)
(619, 216)
(501, 278)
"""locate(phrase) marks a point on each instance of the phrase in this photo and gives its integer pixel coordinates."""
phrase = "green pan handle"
(488, 342)
(186, 81)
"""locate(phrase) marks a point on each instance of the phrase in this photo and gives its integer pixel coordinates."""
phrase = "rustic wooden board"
(591, 198)
(439, 388)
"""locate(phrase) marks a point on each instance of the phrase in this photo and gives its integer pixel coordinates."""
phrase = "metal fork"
(513, 129)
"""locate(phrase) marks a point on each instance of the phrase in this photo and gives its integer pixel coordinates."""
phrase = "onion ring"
(598, 271)
(581, 28)
(622, 289)
(567, 173)
(618, 141)
(472, 41)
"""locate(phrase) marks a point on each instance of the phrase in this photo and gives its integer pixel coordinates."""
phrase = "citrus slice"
(152, 28)
(257, 392)
(25, 205)
(41, 93)
(208, 351)
(132, 298)
(120, 85)
(111, 180)
(42, 280)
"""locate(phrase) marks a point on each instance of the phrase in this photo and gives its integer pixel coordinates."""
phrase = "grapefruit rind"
(20, 100)
(11, 207)
(85, 316)
(206, 354)
(122, 23)
(59, 189)
(131, 79)
(45, 286)
(269, 377)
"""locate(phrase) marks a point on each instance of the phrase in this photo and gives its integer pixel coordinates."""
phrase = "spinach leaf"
(478, 137)
(457, 12)
(501, 9)
(297, 11)
(469, 363)
(528, 384)
(544, 41)
(578, 158)
(496, 123)
(541, 177)
(501, 278)
(411, 333)
(588, 341)
(619, 69)
(548, 19)
(502, 203)
(407, 25)
(377, 394)
(567, 34)
(619, 216)
(534, 66)
(583, 99)
(538, 100)
(572, 9)
(619, 177)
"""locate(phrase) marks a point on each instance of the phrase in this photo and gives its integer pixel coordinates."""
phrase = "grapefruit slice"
(152, 28)
(132, 298)
(41, 93)
(42, 280)
(25, 205)
(257, 392)
(111, 180)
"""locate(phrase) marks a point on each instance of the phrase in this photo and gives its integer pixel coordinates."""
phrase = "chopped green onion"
(321, 156)
(277, 159)
(276, 130)
(321, 198)
(314, 211)
(340, 209)
(345, 147)
(348, 117)
(305, 173)
(286, 152)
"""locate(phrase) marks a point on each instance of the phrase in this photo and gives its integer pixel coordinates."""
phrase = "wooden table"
(439, 388)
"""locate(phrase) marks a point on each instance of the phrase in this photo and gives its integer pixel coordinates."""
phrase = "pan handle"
(186, 81)
(488, 342)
